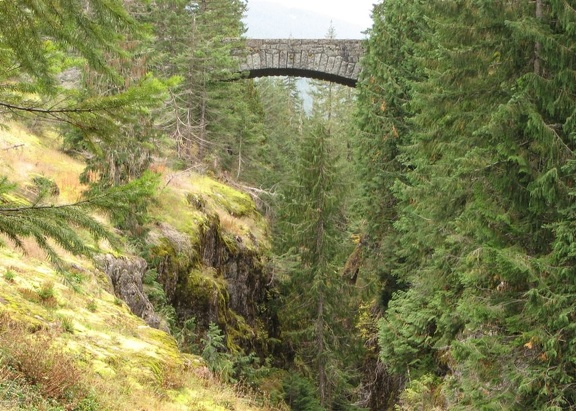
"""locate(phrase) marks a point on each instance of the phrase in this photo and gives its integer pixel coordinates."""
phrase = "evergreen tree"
(483, 209)
(390, 69)
(33, 31)
(282, 117)
(312, 236)
(213, 121)
(312, 214)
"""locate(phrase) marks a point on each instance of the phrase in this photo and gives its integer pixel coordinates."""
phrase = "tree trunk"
(322, 383)
(538, 45)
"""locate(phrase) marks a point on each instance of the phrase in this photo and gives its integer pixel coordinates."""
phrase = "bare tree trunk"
(538, 45)
(322, 383)
(202, 126)
(239, 158)
(320, 334)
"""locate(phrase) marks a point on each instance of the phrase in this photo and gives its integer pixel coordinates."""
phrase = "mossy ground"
(123, 363)
(125, 360)
(189, 200)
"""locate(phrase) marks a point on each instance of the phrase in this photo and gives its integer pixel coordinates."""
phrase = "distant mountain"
(270, 20)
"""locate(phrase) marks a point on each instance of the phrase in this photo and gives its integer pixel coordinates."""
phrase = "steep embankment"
(71, 340)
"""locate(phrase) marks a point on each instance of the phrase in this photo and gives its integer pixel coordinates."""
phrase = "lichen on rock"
(126, 275)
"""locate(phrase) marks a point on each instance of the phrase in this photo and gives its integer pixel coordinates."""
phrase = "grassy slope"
(89, 341)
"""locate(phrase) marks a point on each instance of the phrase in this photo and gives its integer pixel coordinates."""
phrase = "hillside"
(67, 338)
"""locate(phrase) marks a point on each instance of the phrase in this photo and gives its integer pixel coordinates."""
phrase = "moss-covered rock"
(211, 262)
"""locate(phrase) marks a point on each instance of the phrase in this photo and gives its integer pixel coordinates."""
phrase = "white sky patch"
(354, 11)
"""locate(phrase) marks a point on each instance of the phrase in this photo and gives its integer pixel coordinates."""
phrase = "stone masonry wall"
(325, 59)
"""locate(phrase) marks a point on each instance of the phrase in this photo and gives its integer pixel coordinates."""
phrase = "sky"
(356, 12)
(308, 18)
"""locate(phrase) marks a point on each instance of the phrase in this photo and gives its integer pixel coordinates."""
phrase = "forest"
(415, 235)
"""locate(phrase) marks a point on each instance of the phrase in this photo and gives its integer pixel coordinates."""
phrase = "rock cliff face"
(126, 274)
(219, 280)
(214, 270)
(211, 265)
(241, 267)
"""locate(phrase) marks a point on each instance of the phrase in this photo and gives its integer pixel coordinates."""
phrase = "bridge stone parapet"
(323, 59)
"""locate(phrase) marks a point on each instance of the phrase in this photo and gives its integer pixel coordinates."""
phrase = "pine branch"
(46, 111)
(48, 206)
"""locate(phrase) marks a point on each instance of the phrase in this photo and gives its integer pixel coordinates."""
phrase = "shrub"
(47, 294)
(299, 394)
(9, 276)
(32, 361)
(91, 306)
(214, 353)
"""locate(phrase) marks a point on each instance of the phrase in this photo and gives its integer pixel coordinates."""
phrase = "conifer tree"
(311, 222)
(312, 235)
(390, 70)
(282, 118)
(483, 211)
(212, 121)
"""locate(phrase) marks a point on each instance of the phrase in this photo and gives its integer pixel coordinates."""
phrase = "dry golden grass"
(127, 365)
(23, 154)
(31, 250)
(231, 224)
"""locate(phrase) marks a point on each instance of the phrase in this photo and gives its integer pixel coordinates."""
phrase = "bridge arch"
(323, 59)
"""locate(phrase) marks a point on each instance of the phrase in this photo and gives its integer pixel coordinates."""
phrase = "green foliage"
(214, 353)
(229, 367)
(9, 275)
(21, 218)
(211, 122)
(422, 394)
(127, 204)
(299, 394)
(282, 115)
(480, 192)
(61, 35)
(187, 336)
(66, 324)
(311, 238)
(383, 117)
(57, 25)
(92, 306)
(58, 34)
(44, 221)
(46, 291)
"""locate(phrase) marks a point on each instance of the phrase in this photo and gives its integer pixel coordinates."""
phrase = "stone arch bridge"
(323, 59)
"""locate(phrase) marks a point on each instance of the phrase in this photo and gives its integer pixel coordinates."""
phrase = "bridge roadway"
(323, 59)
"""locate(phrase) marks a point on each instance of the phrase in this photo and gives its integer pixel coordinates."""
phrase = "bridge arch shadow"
(297, 72)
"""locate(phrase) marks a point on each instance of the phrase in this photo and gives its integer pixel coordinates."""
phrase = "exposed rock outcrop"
(221, 279)
(241, 267)
(126, 275)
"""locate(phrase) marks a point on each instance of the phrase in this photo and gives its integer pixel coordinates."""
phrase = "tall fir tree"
(311, 220)
(312, 235)
(213, 122)
(282, 118)
(383, 117)
(483, 210)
